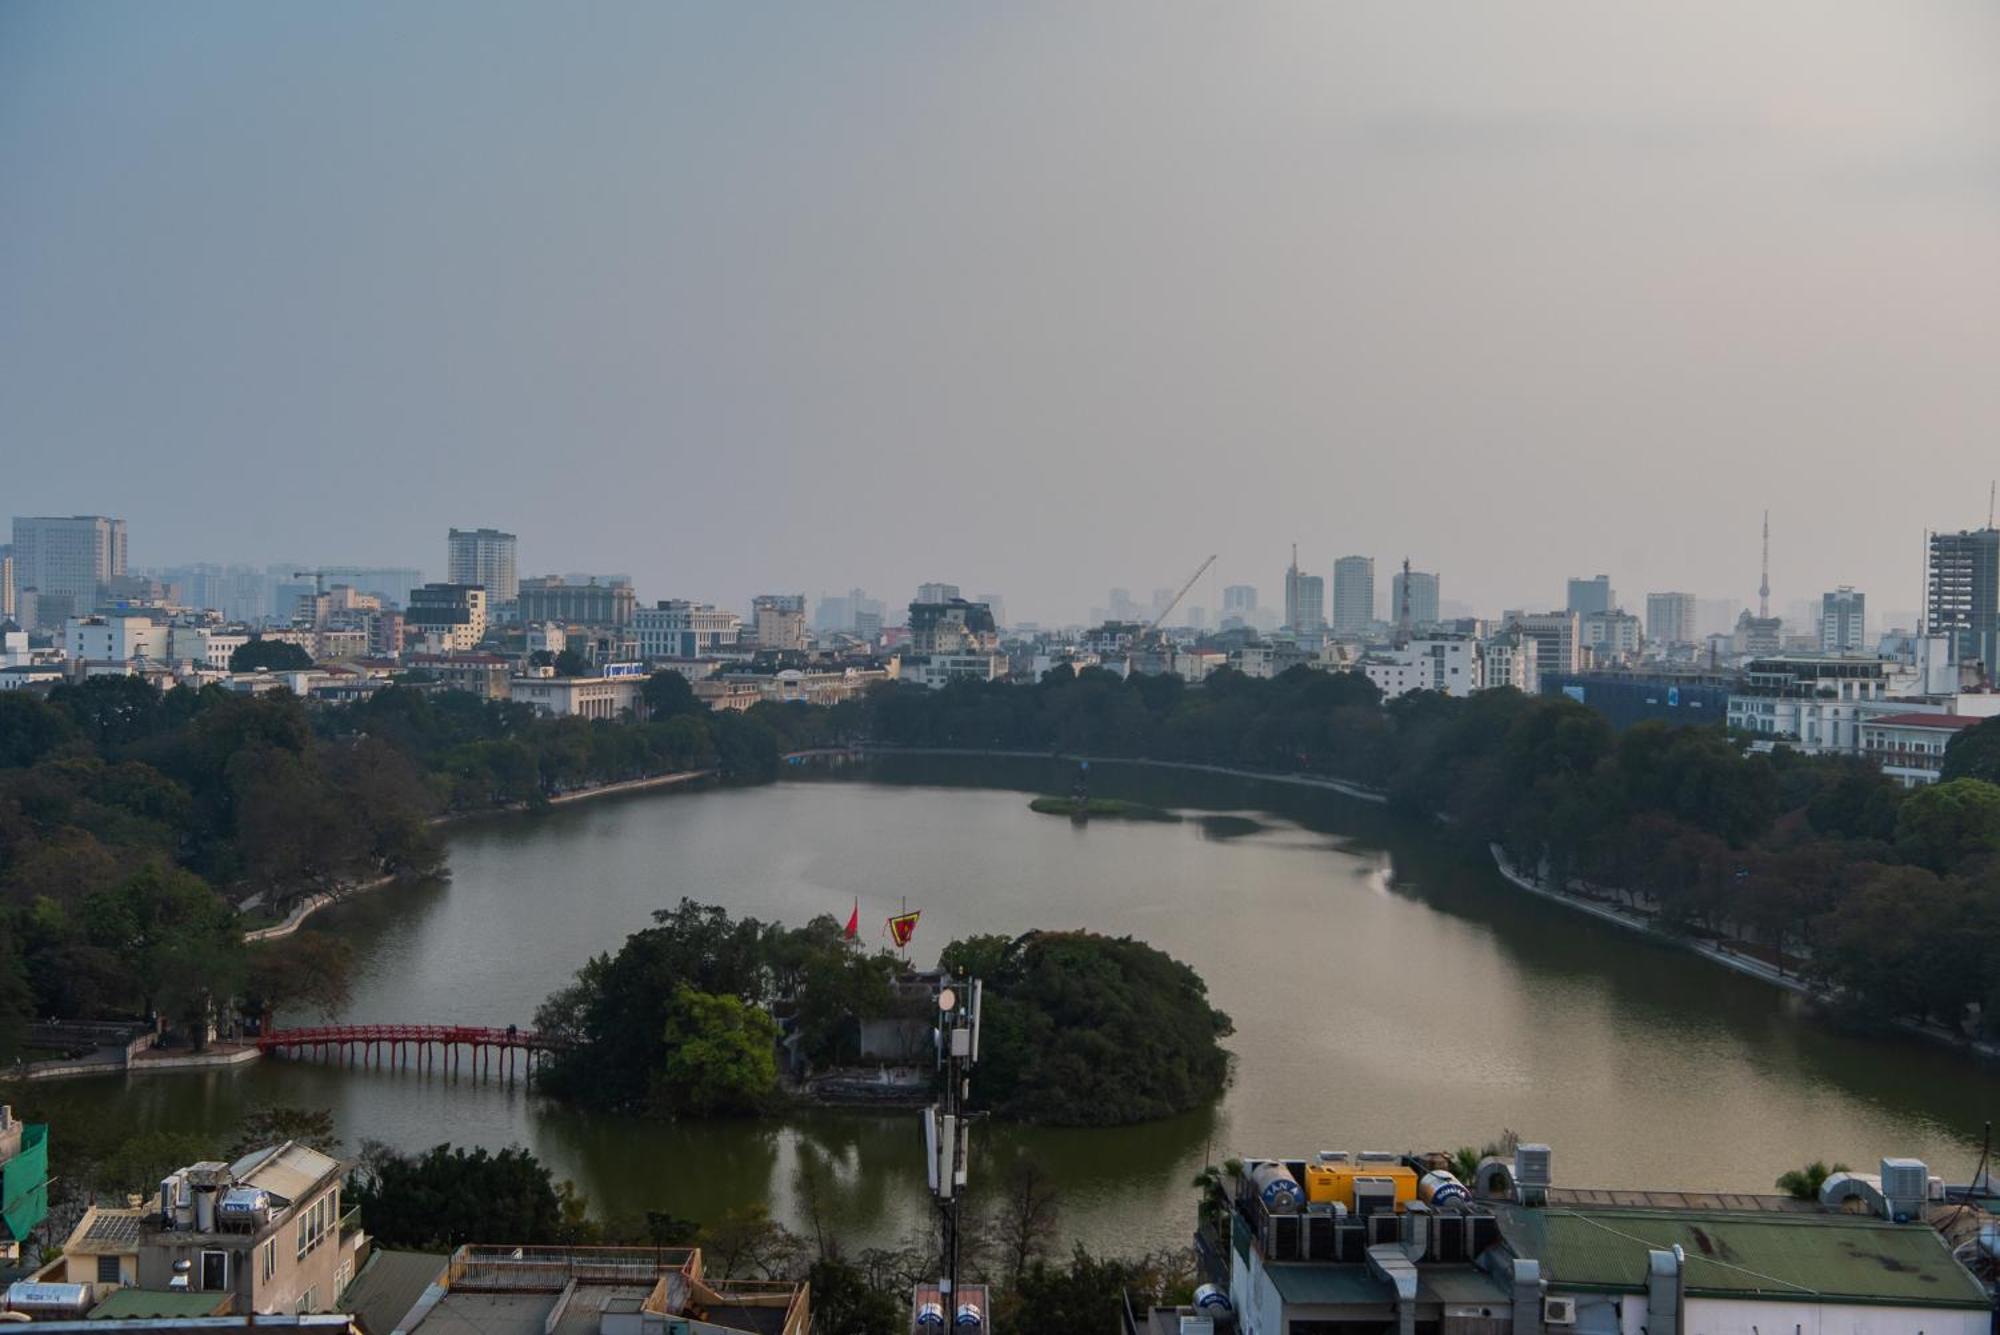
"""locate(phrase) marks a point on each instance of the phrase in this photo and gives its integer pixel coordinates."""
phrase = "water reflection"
(1386, 990)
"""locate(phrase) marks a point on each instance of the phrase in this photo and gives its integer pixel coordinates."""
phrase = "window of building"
(270, 1259)
(214, 1271)
(107, 1270)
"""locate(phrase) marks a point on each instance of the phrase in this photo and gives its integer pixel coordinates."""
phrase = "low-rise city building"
(582, 697)
(1910, 747)
(446, 618)
(677, 628)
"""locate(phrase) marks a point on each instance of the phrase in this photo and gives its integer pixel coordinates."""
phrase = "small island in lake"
(1110, 808)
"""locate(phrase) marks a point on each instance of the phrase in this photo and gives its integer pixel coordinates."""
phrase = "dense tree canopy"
(670, 1023)
(445, 1198)
(262, 655)
(1088, 1030)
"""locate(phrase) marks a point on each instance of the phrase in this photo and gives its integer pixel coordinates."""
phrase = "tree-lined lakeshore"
(132, 822)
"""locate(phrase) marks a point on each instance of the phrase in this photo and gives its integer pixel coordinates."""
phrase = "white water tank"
(1276, 1187)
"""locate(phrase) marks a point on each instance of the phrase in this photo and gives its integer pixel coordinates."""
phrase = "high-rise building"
(1842, 617)
(6, 582)
(1591, 595)
(1353, 595)
(1239, 599)
(1671, 618)
(1305, 600)
(484, 556)
(936, 593)
(778, 620)
(996, 605)
(1963, 602)
(65, 559)
(1423, 597)
(1557, 638)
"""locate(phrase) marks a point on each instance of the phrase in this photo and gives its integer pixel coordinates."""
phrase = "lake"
(1386, 993)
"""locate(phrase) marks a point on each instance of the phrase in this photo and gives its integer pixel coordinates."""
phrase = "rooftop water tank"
(243, 1206)
(1276, 1187)
(51, 1299)
(1211, 1301)
(1441, 1188)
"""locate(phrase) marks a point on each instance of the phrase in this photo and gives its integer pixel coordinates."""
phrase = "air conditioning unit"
(1559, 1311)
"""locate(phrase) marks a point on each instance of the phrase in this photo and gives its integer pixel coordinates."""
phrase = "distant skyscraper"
(996, 605)
(1305, 599)
(65, 559)
(936, 593)
(7, 605)
(1964, 594)
(1842, 618)
(1353, 594)
(1423, 589)
(1670, 618)
(1239, 599)
(484, 556)
(1591, 595)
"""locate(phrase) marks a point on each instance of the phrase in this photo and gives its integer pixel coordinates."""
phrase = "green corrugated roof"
(1746, 1255)
(135, 1304)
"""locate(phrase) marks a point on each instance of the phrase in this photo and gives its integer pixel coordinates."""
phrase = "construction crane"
(1167, 611)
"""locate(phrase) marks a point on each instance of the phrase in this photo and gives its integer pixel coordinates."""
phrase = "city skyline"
(556, 295)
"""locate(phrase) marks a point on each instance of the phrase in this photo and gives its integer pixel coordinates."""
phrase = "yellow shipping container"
(1335, 1181)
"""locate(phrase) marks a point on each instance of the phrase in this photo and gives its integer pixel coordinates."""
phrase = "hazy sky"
(1031, 298)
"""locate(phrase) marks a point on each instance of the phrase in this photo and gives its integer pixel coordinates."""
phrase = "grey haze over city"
(1037, 299)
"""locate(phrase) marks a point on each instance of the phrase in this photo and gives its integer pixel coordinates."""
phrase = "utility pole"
(948, 1142)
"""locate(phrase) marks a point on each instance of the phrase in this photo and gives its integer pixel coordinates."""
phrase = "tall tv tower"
(1764, 589)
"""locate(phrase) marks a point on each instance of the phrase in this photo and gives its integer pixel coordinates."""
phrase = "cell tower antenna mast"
(1764, 589)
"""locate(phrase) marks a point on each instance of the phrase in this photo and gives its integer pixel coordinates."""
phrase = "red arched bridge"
(425, 1046)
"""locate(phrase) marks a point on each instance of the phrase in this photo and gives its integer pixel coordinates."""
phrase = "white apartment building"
(113, 638)
(678, 628)
(1450, 666)
(1508, 659)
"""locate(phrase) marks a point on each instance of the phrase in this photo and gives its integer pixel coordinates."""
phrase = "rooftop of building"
(1732, 1254)
(129, 1303)
(573, 1290)
(389, 1286)
(1941, 722)
(104, 1230)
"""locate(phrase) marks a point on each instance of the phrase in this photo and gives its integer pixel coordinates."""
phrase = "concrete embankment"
(1359, 792)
